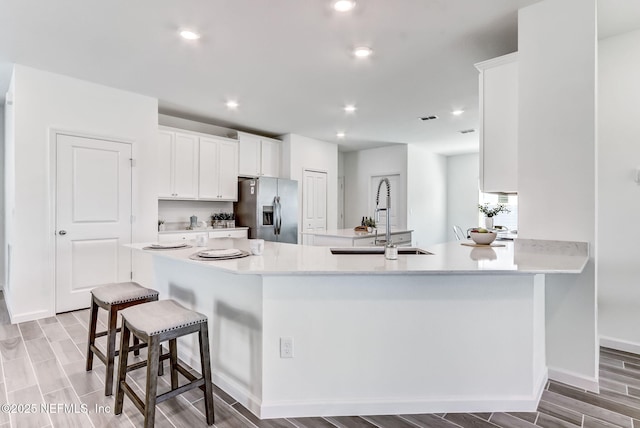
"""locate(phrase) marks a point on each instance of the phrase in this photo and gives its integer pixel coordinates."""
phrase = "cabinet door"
(164, 173)
(209, 183)
(185, 161)
(249, 155)
(270, 158)
(499, 133)
(228, 170)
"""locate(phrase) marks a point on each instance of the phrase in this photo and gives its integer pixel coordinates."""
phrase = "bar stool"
(154, 323)
(113, 298)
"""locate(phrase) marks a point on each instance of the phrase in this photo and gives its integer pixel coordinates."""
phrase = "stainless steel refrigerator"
(269, 207)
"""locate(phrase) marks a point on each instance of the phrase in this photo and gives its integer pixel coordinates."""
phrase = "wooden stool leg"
(93, 319)
(111, 350)
(152, 382)
(203, 335)
(173, 362)
(136, 341)
(122, 366)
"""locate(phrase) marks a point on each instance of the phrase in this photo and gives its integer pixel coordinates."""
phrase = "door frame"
(53, 195)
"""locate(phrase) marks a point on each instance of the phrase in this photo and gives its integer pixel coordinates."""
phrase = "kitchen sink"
(377, 250)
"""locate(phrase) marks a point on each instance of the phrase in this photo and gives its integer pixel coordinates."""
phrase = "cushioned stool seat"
(123, 292)
(113, 298)
(153, 323)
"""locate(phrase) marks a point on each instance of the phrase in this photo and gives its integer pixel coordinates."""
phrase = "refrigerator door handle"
(277, 216)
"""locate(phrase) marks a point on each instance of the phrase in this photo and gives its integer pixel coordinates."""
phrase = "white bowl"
(483, 238)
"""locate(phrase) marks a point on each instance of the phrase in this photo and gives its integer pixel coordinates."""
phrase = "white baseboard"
(620, 345)
(395, 406)
(574, 379)
(28, 316)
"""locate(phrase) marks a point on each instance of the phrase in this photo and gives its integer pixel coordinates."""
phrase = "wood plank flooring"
(43, 362)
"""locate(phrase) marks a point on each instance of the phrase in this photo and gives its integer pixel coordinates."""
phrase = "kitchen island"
(461, 330)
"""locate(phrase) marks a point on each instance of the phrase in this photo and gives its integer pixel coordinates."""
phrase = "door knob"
(62, 232)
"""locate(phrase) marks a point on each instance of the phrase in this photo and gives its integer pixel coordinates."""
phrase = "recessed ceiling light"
(349, 108)
(232, 105)
(362, 52)
(340, 134)
(457, 112)
(189, 35)
(344, 5)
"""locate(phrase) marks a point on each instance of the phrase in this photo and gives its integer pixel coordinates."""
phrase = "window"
(510, 219)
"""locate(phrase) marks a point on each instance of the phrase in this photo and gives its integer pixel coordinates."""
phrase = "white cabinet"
(191, 235)
(232, 233)
(399, 238)
(218, 177)
(499, 124)
(258, 156)
(177, 165)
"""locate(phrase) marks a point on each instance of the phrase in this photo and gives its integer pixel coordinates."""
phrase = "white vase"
(488, 222)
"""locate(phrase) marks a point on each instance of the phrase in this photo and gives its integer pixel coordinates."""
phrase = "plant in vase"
(216, 220)
(231, 221)
(491, 212)
(369, 223)
(160, 225)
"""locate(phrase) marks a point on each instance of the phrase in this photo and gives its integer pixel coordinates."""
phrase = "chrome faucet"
(387, 209)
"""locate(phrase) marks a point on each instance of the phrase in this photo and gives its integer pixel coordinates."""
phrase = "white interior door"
(394, 180)
(93, 217)
(341, 202)
(314, 195)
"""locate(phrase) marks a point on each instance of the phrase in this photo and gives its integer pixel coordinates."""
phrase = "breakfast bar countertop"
(523, 256)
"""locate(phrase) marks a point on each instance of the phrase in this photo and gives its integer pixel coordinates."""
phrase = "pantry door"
(314, 205)
(93, 217)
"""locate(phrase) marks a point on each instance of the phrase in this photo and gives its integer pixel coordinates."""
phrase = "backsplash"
(176, 213)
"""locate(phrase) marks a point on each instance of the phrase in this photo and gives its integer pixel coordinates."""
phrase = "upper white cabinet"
(197, 166)
(499, 124)
(258, 156)
(178, 165)
(218, 178)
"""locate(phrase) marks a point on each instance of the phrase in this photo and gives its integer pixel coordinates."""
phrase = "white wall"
(44, 102)
(9, 180)
(462, 192)
(2, 240)
(359, 167)
(426, 195)
(618, 194)
(556, 168)
(300, 153)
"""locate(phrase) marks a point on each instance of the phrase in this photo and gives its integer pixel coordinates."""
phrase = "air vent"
(467, 131)
(432, 117)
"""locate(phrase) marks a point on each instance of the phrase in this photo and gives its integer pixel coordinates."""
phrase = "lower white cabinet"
(234, 233)
(191, 234)
(401, 239)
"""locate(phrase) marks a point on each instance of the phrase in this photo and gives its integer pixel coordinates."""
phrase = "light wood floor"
(43, 362)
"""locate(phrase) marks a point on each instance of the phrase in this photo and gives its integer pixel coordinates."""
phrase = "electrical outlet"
(286, 347)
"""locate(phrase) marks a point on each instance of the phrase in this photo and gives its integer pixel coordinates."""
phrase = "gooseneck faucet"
(387, 209)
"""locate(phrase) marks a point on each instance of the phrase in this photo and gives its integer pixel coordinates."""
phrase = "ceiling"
(287, 62)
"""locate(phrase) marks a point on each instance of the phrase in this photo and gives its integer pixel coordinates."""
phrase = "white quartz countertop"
(350, 233)
(202, 230)
(519, 257)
